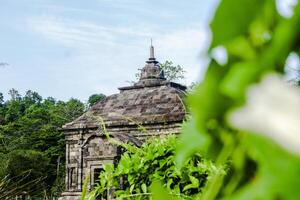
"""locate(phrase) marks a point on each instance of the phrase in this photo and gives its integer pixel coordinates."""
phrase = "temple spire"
(151, 58)
(151, 50)
(151, 73)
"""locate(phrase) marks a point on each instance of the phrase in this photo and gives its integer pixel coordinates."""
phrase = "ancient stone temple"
(151, 107)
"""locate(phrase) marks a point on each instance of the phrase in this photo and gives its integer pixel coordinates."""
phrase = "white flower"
(272, 109)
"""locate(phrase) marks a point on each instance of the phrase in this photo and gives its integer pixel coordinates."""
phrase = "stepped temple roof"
(153, 99)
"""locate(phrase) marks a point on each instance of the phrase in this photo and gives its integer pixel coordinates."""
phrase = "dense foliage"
(256, 40)
(31, 145)
(138, 168)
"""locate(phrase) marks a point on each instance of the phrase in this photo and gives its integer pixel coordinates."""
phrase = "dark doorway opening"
(96, 174)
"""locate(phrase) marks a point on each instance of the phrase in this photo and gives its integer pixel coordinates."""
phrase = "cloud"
(81, 34)
(108, 56)
(141, 8)
(186, 47)
(74, 48)
(182, 39)
(3, 65)
(70, 33)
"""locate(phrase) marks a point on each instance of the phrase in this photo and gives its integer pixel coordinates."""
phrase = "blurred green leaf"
(241, 48)
(277, 175)
(190, 142)
(232, 19)
(159, 192)
(238, 78)
(206, 102)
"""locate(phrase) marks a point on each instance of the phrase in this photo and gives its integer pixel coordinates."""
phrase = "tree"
(14, 94)
(32, 97)
(29, 136)
(2, 112)
(26, 170)
(1, 99)
(95, 98)
(172, 72)
(14, 108)
(69, 110)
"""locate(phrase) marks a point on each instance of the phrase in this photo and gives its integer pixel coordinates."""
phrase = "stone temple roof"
(151, 100)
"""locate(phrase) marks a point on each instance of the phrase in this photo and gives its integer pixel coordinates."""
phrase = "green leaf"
(278, 172)
(259, 33)
(194, 184)
(241, 48)
(238, 79)
(206, 101)
(159, 192)
(85, 189)
(189, 142)
(144, 187)
(131, 188)
(170, 181)
(232, 19)
(207, 105)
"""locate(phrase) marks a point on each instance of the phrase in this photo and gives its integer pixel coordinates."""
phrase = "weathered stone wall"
(89, 149)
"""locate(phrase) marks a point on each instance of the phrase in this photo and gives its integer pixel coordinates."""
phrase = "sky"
(75, 48)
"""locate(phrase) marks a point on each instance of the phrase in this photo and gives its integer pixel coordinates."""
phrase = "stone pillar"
(80, 161)
(67, 170)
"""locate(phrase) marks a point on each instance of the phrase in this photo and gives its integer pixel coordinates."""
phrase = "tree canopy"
(172, 72)
(31, 145)
(95, 98)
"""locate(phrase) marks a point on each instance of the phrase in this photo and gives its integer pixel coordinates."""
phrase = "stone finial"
(152, 69)
(151, 58)
(151, 51)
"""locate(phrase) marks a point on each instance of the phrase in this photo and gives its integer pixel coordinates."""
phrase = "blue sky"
(75, 48)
